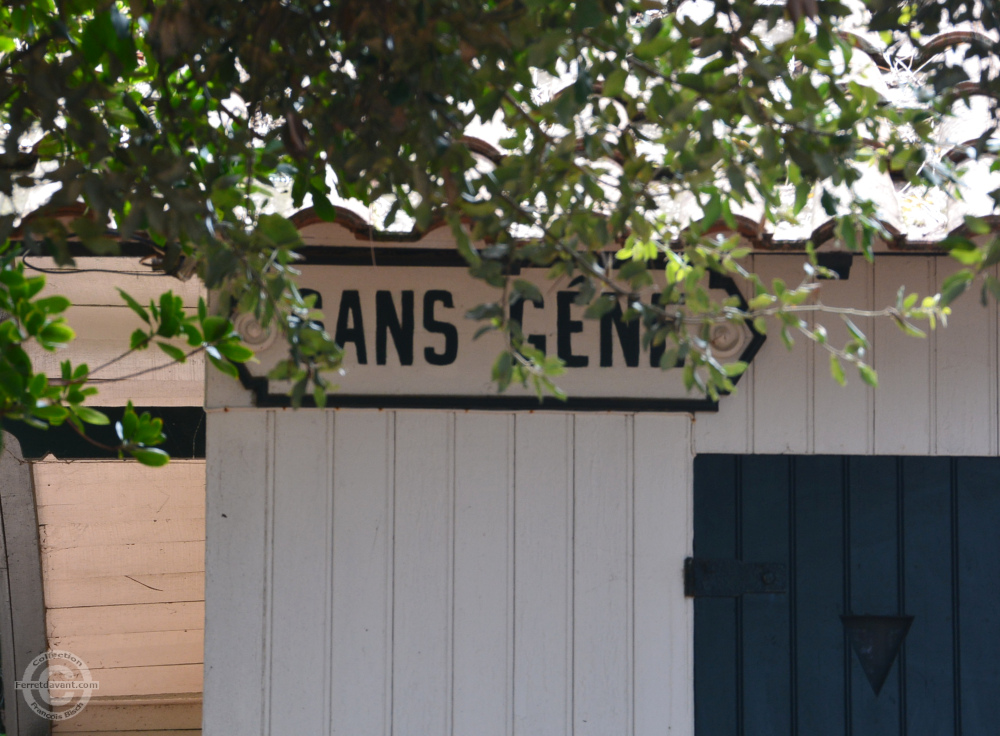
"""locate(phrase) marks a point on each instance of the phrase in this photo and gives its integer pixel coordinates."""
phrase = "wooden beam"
(22, 616)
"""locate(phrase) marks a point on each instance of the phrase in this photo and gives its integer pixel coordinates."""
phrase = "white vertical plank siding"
(543, 594)
(936, 396)
(461, 574)
(298, 591)
(836, 407)
(966, 369)
(422, 579)
(484, 575)
(904, 401)
(731, 429)
(361, 640)
(601, 580)
(663, 617)
(782, 405)
(235, 572)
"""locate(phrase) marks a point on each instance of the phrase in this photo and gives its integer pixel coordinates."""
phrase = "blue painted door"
(882, 536)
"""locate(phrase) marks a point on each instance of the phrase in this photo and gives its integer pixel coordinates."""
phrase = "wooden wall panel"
(125, 618)
(84, 492)
(543, 582)
(480, 575)
(123, 565)
(301, 525)
(238, 534)
(102, 338)
(936, 396)
(904, 402)
(143, 716)
(731, 426)
(782, 393)
(837, 408)
(484, 574)
(361, 640)
(137, 649)
(966, 369)
(602, 580)
(663, 617)
(422, 581)
(122, 590)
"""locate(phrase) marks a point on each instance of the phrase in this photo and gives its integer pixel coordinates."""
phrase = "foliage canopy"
(175, 122)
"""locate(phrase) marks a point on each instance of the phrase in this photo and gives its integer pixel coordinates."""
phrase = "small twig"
(91, 440)
(158, 590)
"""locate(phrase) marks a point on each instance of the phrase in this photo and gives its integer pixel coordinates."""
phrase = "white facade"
(449, 572)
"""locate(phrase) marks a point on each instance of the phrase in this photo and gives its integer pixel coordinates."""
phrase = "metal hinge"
(732, 578)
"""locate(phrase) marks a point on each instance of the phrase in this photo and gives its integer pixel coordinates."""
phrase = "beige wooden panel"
(152, 509)
(122, 589)
(145, 511)
(93, 288)
(100, 717)
(125, 619)
(80, 492)
(130, 559)
(904, 403)
(102, 342)
(74, 536)
(154, 391)
(965, 383)
(782, 401)
(162, 680)
(148, 648)
(484, 574)
(842, 415)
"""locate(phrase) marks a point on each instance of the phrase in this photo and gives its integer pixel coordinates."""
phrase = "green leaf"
(614, 84)
(224, 366)
(736, 368)
(954, 286)
(235, 351)
(837, 370)
(279, 230)
(527, 291)
(977, 225)
(91, 416)
(856, 333)
(868, 375)
(56, 333)
(173, 351)
(215, 328)
(599, 307)
(53, 304)
(151, 456)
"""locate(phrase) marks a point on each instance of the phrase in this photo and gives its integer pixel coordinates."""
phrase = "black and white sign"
(408, 343)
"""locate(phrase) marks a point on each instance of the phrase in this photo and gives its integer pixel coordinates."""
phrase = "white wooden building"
(411, 563)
